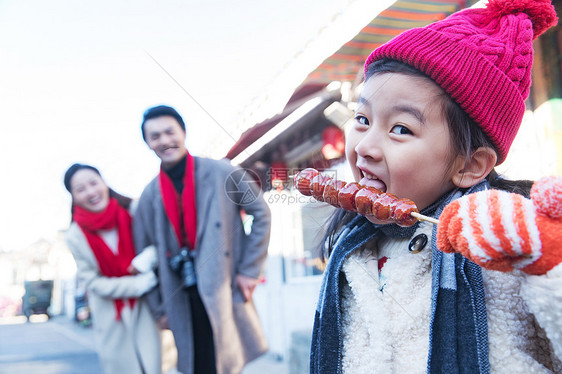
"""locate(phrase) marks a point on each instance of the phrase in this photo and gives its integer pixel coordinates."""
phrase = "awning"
(297, 123)
(347, 62)
(302, 95)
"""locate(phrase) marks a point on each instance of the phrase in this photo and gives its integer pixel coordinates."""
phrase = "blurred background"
(269, 85)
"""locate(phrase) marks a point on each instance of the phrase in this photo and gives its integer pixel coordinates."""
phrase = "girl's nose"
(370, 146)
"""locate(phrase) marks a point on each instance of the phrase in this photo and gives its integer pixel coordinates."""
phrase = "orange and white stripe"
(497, 224)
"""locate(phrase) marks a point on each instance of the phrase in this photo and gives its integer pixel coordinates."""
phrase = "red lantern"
(278, 174)
(334, 142)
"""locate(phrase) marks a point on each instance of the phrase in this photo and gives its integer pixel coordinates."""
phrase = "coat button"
(418, 243)
(217, 224)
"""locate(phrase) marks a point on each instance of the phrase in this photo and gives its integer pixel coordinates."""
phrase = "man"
(207, 266)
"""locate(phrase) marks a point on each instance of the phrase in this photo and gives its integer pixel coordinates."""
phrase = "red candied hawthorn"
(402, 214)
(384, 205)
(332, 190)
(346, 196)
(364, 199)
(317, 185)
(302, 180)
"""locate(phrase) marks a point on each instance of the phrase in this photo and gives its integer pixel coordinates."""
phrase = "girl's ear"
(480, 164)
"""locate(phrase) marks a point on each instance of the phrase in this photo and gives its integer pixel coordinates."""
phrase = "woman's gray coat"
(223, 250)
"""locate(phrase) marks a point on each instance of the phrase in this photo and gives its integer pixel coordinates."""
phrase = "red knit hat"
(482, 57)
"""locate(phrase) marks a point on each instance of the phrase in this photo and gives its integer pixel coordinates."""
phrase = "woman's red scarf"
(110, 264)
(181, 208)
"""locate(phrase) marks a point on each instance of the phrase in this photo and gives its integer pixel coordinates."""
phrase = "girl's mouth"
(372, 181)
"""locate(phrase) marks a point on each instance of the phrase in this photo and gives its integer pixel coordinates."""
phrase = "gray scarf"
(458, 327)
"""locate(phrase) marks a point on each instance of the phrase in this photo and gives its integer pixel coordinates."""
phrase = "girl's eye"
(362, 120)
(401, 130)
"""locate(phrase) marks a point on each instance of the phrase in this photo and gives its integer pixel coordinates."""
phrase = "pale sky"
(76, 76)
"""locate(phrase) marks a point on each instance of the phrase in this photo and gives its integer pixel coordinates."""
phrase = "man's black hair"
(159, 111)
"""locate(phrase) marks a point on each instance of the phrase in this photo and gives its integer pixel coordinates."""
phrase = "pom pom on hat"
(482, 57)
(540, 12)
(546, 195)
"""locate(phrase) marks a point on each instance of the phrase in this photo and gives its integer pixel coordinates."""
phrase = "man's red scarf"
(110, 264)
(181, 208)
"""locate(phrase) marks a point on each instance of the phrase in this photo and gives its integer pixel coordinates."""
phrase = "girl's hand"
(505, 231)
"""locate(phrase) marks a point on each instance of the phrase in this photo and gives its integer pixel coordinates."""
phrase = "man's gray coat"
(223, 250)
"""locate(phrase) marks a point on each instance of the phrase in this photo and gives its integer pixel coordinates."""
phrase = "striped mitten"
(505, 231)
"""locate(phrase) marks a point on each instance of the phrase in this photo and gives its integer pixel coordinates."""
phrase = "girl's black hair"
(124, 201)
(466, 137)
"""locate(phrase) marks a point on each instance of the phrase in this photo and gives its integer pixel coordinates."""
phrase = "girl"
(439, 109)
(100, 240)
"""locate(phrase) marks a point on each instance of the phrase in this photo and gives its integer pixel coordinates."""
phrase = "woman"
(100, 240)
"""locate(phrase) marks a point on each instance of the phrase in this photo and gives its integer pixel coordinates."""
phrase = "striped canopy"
(347, 62)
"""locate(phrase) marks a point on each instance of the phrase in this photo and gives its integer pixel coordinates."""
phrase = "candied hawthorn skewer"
(365, 200)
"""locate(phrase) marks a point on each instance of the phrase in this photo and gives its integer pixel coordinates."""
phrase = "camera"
(184, 266)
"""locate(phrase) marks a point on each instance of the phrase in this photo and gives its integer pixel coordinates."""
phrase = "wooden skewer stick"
(421, 217)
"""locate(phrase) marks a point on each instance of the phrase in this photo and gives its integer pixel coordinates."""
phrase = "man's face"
(166, 138)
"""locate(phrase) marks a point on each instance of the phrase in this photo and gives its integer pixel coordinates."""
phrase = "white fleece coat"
(132, 344)
(386, 316)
